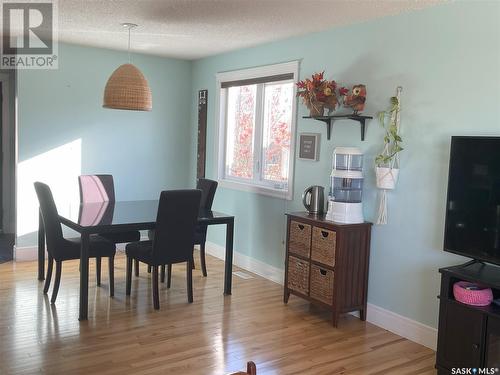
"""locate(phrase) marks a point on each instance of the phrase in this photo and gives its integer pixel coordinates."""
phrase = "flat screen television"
(472, 227)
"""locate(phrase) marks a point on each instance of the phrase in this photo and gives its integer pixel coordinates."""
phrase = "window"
(256, 129)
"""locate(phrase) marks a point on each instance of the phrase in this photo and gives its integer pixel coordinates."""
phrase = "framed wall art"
(309, 146)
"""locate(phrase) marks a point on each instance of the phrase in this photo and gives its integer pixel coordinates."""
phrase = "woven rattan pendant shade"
(127, 88)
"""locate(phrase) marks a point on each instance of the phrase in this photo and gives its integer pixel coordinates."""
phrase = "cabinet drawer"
(323, 246)
(298, 275)
(322, 284)
(300, 239)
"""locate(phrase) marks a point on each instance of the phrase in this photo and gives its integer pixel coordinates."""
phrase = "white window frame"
(220, 136)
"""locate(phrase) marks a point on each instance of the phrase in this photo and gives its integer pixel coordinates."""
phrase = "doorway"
(7, 164)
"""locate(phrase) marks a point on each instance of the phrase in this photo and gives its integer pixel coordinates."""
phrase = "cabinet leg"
(335, 319)
(286, 296)
(362, 314)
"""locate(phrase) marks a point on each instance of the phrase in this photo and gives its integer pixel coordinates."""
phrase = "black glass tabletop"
(138, 214)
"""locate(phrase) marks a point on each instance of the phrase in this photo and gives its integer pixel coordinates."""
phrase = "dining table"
(121, 216)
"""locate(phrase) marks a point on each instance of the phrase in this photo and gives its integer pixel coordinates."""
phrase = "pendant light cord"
(129, 44)
(129, 27)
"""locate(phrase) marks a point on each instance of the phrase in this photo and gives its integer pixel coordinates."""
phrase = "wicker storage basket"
(323, 246)
(298, 275)
(300, 239)
(322, 284)
(478, 296)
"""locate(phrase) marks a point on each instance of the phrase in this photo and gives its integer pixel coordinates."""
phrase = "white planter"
(387, 178)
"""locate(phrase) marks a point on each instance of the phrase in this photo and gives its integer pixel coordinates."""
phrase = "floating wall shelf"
(329, 120)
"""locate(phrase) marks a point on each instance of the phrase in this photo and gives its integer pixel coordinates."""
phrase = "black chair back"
(50, 217)
(208, 188)
(175, 226)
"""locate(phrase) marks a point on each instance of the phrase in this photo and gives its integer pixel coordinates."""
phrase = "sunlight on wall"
(59, 168)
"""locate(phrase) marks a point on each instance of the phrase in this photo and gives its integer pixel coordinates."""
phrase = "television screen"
(472, 225)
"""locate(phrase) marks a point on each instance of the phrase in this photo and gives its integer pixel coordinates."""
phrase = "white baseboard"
(402, 326)
(398, 324)
(25, 253)
(247, 263)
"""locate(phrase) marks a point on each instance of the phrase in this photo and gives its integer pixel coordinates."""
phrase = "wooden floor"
(214, 335)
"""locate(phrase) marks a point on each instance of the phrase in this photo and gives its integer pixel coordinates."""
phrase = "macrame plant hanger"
(394, 163)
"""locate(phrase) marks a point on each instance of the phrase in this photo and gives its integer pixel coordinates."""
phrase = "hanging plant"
(387, 162)
(389, 120)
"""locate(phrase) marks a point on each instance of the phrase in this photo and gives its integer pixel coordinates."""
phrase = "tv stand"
(471, 262)
(468, 336)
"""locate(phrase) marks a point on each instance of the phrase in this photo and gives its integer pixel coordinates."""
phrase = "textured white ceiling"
(192, 29)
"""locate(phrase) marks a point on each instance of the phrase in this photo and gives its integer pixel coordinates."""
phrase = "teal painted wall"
(145, 151)
(447, 58)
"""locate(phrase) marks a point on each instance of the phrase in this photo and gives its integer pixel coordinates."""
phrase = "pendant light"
(127, 88)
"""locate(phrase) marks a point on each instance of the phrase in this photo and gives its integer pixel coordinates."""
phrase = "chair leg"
(98, 271)
(57, 281)
(189, 269)
(149, 269)
(162, 273)
(136, 265)
(251, 368)
(111, 266)
(129, 276)
(203, 260)
(169, 275)
(50, 265)
(156, 294)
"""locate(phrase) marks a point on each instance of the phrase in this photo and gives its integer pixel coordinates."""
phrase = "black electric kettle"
(313, 199)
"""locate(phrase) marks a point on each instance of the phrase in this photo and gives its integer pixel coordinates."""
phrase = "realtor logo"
(29, 34)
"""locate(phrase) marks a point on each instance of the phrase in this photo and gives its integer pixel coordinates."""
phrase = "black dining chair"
(100, 188)
(61, 249)
(173, 239)
(208, 189)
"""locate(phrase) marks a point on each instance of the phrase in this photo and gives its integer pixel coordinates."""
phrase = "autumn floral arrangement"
(318, 93)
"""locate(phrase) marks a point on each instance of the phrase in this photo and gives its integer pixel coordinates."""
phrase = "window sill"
(267, 191)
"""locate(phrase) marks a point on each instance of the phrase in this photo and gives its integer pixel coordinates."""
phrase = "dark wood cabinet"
(461, 333)
(327, 263)
(468, 336)
(493, 343)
